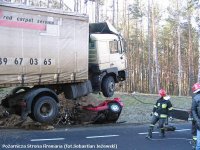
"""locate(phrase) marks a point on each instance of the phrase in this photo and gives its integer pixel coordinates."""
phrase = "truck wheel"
(45, 109)
(108, 86)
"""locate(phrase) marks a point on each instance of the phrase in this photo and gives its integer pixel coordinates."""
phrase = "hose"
(141, 101)
(151, 103)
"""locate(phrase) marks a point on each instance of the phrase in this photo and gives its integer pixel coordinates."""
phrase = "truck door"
(117, 57)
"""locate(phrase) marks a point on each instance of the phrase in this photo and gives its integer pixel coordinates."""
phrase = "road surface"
(105, 137)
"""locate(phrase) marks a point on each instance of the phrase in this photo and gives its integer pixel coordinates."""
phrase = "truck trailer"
(45, 52)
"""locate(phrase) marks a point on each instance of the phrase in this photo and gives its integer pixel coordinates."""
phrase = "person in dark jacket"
(194, 128)
(161, 111)
(196, 111)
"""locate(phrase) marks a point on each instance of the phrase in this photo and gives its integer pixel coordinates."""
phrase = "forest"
(162, 36)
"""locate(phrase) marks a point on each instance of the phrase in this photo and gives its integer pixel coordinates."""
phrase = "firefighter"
(194, 128)
(160, 113)
(196, 111)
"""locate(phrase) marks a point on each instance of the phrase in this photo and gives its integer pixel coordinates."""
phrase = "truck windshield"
(113, 45)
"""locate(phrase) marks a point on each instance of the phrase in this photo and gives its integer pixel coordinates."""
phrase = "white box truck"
(46, 52)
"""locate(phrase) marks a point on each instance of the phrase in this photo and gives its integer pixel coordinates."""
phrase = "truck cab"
(107, 60)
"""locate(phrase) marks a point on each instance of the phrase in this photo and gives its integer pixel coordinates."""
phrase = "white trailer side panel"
(40, 47)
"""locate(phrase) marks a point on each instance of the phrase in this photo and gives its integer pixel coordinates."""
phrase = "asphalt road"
(106, 137)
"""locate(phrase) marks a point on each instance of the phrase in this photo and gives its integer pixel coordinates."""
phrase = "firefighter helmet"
(196, 88)
(162, 92)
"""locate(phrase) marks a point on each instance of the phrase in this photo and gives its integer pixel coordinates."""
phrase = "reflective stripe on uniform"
(155, 106)
(152, 125)
(170, 108)
(163, 116)
(156, 114)
(164, 106)
(194, 138)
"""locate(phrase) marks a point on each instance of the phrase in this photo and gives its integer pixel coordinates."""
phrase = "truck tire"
(108, 86)
(45, 109)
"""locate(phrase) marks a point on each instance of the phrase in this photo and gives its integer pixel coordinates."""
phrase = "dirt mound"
(72, 112)
(70, 108)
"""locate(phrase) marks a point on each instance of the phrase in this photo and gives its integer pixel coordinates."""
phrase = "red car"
(108, 111)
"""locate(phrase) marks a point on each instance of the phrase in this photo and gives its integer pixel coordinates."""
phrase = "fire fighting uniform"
(194, 129)
(196, 116)
(161, 110)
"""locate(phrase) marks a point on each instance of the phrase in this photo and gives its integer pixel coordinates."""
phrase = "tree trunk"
(198, 80)
(149, 50)
(97, 11)
(190, 54)
(75, 5)
(179, 54)
(113, 19)
(117, 19)
(155, 50)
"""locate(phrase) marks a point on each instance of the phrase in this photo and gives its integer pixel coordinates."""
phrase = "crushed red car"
(107, 112)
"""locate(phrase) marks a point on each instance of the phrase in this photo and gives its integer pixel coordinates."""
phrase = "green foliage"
(135, 10)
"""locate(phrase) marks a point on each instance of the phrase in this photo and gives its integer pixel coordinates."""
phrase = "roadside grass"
(148, 99)
(138, 106)
(180, 102)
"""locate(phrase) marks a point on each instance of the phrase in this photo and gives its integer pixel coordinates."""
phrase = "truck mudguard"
(111, 71)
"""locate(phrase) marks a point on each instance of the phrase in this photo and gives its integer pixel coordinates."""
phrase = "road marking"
(54, 139)
(179, 139)
(181, 130)
(146, 133)
(102, 136)
(164, 139)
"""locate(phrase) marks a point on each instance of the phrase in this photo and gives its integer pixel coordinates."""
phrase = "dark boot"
(162, 132)
(149, 135)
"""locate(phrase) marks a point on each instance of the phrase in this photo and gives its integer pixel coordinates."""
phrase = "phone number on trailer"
(19, 61)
